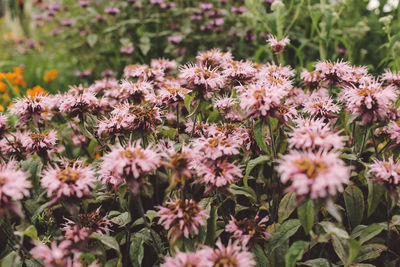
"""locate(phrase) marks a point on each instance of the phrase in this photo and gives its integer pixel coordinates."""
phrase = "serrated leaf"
(251, 165)
(259, 135)
(370, 232)
(375, 192)
(284, 232)
(286, 206)
(305, 213)
(354, 201)
(295, 253)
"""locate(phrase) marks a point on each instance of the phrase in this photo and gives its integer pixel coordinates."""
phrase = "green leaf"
(144, 44)
(341, 248)
(370, 251)
(319, 262)
(31, 232)
(332, 229)
(354, 249)
(92, 39)
(332, 209)
(370, 232)
(306, 215)
(295, 253)
(251, 165)
(259, 135)
(284, 232)
(246, 191)
(354, 201)
(136, 251)
(122, 219)
(286, 206)
(260, 257)
(211, 226)
(107, 240)
(375, 192)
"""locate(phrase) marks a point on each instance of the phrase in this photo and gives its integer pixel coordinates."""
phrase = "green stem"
(272, 138)
(15, 92)
(363, 142)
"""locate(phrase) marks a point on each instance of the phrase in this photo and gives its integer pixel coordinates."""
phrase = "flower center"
(310, 167)
(129, 154)
(3, 181)
(37, 137)
(226, 261)
(68, 175)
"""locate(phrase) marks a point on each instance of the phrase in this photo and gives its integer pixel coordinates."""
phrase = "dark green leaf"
(354, 201)
(306, 215)
(136, 252)
(286, 206)
(370, 251)
(284, 232)
(260, 257)
(370, 232)
(375, 192)
(259, 135)
(319, 262)
(354, 249)
(250, 166)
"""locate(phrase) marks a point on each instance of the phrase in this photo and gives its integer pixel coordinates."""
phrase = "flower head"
(72, 179)
(182, 217)
(277, 46)
(386, 171)
(317, 174)
(231, 255)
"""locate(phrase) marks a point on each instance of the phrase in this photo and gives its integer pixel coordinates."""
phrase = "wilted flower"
(88, 223)
(182, 217)
(248, 229)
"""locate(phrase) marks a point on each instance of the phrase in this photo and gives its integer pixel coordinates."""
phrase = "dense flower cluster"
(201, 164)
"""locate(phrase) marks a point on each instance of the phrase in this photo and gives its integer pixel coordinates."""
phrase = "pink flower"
(75, 102)
(261, 99)
(231, 255)
(225, 103)
(70, 180)
(127, 50)
(314, 134)
(129, 164)
(182, 217)
(391, 78)
(248, 229)
(40, 143)
(239, 71)
(12, 145)
(333, 73)
(144, 73)
(370, 101)
(171, 92)
(218, 174)
(311, 79)
(185, 259)
(56, 255)
(316, 174)
(202, 79)
(320, 106)
(216, 147)
(175, 39)
(3, 124)
(128, 90)
(393, 130)
(163, 64)
(112, 10)
(277, 46)
(214, 58)
(386, 171)
(14, 183)
(31, 107)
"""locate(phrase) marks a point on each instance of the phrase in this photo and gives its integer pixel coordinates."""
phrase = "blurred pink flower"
(277, 46)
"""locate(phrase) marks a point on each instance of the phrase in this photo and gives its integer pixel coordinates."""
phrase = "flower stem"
(363, 142)
(272, 138)
(374, 141)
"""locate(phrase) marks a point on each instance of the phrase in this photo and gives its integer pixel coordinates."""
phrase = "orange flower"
(50, 75)
(37, 90)
(18, 70)
(6, 98)
(1, 108)
(3, 87)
